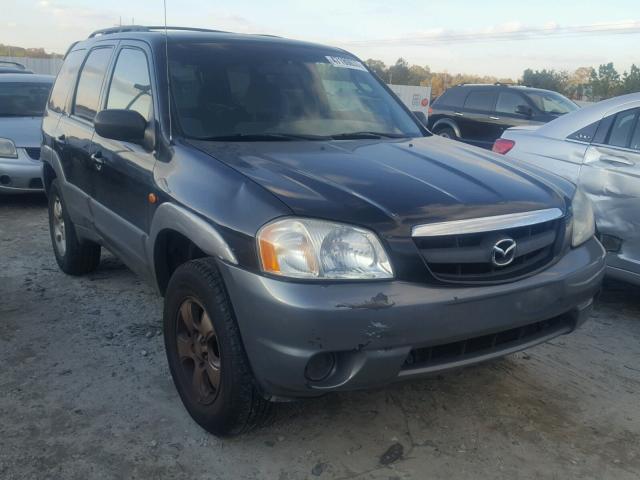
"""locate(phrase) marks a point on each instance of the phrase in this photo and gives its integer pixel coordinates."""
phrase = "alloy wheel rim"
(59, 234)
(198, 350)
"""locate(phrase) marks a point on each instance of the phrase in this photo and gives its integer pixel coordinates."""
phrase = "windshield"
(551, 102)
(247, 91)
(26, 99)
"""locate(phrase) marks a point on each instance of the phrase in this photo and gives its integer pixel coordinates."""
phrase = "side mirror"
(421, 116)
(125, 125)
(524, 110)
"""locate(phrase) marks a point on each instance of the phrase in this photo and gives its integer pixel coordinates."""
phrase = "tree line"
(585, 83)
(11, 51)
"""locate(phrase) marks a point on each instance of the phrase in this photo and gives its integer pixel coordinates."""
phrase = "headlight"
(316, 249)
(584, 225)
(7, 148)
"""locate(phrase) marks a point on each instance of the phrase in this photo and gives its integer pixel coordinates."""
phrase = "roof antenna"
(166, 54)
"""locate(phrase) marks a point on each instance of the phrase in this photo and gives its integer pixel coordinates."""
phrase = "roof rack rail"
(148, 28)
(120, 29)
(504, 84)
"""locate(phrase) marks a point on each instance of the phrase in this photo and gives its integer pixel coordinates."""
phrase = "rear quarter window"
(585, 134)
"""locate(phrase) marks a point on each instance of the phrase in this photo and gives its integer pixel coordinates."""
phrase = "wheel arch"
(177, 236)
(447, 122)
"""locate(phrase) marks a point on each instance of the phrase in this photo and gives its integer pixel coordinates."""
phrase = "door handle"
(98, 161)
(615, 159)
(494, 118)
(460, 114)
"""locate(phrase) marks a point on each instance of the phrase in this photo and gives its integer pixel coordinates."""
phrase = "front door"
(610, 175)
(508, 112)
(125, 179)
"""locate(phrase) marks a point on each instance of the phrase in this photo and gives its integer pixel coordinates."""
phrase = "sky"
(498, 38)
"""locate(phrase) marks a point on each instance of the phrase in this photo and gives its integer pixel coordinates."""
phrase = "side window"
(480, 100)
(65, 80)
(585, 134)
(130, 87)
(620, 133)
(635, 139)
(93, 71)
(508, 102)
(454, 97)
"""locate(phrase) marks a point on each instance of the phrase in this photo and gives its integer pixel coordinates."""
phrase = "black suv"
(478, 114)
(307, 233)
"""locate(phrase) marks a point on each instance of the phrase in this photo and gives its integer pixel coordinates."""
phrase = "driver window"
(130, 87)
(509, 102)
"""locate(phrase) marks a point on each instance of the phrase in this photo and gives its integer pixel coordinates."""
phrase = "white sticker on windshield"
(344, 62)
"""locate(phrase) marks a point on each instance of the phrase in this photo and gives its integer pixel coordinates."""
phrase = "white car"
(22, 101)
(598, 148)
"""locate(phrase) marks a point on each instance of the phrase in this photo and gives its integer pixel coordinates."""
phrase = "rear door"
(75, 131)
(448, 106)
(125, 178)
(611, 177)
(474, 124)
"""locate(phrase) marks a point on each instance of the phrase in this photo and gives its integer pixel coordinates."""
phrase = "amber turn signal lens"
(268, 257)
(152, 198)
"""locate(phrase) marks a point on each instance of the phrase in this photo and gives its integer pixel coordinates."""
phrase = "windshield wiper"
(260, 137)
(365, 135)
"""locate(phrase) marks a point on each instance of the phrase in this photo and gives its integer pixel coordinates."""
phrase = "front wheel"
(205, 352)
(74, 256)
(447, 132)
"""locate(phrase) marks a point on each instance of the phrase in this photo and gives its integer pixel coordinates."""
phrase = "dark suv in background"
(309, 235)
(478, 114)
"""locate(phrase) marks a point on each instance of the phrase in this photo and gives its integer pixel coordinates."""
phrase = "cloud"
(510, 31)
(67, 16)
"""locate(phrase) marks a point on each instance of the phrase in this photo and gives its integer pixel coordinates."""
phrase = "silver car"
(598, 148)
(22, 102)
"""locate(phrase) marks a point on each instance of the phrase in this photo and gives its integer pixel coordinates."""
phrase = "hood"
(388, 184)
(24, 131)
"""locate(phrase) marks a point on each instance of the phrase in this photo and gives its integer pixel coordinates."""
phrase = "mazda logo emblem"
(503, 252)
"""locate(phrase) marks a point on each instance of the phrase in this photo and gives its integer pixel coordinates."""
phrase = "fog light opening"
(5, 180)
(320, 366)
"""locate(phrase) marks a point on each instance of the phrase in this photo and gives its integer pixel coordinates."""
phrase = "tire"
(74, 256)
(209, 351)
(447, 132)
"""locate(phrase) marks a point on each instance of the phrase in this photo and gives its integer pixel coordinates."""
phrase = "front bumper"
(374, 328)
(20, 175)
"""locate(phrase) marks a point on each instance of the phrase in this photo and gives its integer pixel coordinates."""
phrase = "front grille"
(486, 344)
(33, 152)
(467, 258)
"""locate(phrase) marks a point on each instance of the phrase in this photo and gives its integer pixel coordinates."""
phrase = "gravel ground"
(85, 393)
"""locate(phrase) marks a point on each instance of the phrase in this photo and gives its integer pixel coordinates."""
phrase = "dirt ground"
(85, 393)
